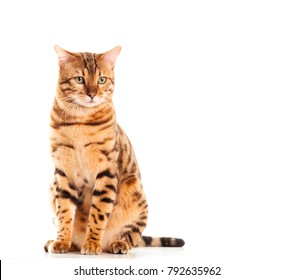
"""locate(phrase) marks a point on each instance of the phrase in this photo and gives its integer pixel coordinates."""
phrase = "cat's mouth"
(89, 102)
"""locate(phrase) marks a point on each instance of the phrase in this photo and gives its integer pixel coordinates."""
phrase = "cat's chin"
(89, 104)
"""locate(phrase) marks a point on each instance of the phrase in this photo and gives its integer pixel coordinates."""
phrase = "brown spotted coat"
(97, 193)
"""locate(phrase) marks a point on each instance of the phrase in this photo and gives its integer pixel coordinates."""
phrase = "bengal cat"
(97, 195)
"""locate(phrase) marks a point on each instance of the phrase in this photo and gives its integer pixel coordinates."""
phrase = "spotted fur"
(97, 194)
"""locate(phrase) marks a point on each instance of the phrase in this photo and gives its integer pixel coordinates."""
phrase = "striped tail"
(147, 241)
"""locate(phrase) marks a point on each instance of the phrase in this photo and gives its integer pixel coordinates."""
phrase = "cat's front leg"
(103, 198)
(66, 199)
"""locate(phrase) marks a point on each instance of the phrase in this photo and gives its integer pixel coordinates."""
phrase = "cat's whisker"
(105, 98)
(66, 98)
(108, 105)
(75, 109)
(105, 101)
(69, 109)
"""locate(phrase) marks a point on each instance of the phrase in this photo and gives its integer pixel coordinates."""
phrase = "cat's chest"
(80, 153)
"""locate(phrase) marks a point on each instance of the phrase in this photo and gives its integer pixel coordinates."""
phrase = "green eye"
(102, 80)
(79, 80)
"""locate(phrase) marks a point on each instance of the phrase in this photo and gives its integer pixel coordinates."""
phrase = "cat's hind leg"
(131, 208)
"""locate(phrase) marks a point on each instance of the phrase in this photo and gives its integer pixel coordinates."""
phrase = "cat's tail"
(147, 241)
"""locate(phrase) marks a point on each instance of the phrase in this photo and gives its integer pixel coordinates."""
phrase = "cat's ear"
(64, 56)
(110, 56)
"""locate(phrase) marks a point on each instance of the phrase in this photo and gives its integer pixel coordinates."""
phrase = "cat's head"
(86, 79)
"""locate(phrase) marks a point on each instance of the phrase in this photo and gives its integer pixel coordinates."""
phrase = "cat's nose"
(92, 94)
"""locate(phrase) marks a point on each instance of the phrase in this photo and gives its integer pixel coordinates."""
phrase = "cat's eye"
(79, 80)
(102, 80)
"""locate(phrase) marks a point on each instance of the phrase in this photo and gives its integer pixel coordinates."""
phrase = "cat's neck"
(62, 113)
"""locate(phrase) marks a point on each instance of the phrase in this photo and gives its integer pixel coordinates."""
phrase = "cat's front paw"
(91, 248)
(57, 247)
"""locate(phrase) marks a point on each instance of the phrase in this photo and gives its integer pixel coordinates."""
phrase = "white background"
(203, 90)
